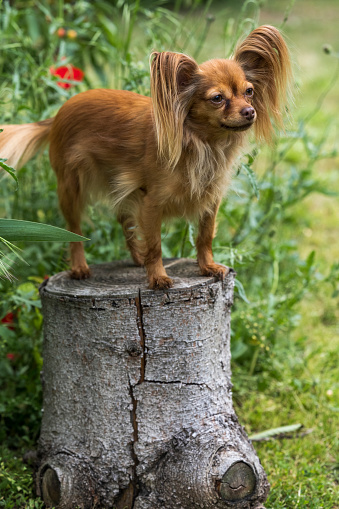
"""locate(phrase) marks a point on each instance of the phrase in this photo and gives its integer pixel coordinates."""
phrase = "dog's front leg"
(204, 246)
(150, 225)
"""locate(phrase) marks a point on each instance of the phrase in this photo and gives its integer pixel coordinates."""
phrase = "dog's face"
(222, 102)
(220, 99)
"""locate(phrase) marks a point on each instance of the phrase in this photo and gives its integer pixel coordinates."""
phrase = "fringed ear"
(264, 57)
(173, 77)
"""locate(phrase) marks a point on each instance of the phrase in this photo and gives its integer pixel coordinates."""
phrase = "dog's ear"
(173, 82)
(264, 57)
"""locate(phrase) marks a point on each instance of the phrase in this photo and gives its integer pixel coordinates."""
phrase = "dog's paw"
(215, 270)
(160, 282)
(81, 272)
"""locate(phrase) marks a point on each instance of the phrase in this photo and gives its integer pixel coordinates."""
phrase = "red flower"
(8, 320)
(11, 356)
(67, 72)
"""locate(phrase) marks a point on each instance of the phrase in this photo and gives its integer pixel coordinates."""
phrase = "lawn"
(284, 245)
(304, 471)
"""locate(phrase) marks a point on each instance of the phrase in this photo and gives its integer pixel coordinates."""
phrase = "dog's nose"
(248, 113)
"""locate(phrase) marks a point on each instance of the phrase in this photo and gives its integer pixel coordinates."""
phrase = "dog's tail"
(19, 143)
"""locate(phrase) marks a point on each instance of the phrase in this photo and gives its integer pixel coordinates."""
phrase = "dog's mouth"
(243, 127)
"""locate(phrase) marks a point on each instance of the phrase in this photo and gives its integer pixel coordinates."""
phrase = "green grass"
(304, 471)
(16, 490)
(285, 340)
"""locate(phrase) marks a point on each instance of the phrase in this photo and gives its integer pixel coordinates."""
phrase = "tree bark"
(137, 395)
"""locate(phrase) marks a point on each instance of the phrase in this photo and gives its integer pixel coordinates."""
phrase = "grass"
(304, 471)
(286, 340)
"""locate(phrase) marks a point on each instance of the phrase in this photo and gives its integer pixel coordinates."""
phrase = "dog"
(166, 156)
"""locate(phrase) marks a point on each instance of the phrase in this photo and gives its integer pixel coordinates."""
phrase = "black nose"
(248, 113)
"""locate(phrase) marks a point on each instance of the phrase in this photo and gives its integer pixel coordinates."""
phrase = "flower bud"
(61, 32)
(72, 34)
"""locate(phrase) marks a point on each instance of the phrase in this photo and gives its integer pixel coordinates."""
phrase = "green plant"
(11, 229)
(20, 361)
(16, 483)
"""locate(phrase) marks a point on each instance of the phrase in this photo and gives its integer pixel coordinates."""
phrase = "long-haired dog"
(165, 156)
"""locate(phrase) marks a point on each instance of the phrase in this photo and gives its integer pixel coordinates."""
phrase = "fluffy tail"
(19, 143)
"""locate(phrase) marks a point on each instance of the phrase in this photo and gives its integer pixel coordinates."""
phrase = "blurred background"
(278, 225)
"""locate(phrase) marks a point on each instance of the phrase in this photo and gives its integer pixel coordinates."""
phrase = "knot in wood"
(238, 482)
(51, 488)
(133, 348)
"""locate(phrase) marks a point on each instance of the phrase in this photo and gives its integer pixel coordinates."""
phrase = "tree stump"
(137, 408)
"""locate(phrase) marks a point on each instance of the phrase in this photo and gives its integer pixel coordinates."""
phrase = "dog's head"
(223, 99)
(220, 97)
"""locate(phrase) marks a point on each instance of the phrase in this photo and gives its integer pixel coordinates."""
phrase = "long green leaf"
(270, 433)
(14, 229)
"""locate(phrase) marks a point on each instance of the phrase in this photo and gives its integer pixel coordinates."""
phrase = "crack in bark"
(141, 331)
(235, 488)
(135, 439)
(179, 382)
(134, 420)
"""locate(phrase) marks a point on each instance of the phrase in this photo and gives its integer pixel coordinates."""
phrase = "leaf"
(110, 30)
(14, 229)
(238, 349)
(191, 234)
(275, 432)
(252, 178)
(241, 290)
(9, 170)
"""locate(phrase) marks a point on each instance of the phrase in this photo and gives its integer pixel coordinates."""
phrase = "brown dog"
(160, 157)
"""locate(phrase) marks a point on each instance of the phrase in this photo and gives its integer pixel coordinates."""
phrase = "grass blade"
(13, 229)
(275, 432)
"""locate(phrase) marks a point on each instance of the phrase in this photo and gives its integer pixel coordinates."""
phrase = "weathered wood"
(137, 395)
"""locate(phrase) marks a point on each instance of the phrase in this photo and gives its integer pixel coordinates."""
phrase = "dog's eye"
(249, 92)
(217, 99)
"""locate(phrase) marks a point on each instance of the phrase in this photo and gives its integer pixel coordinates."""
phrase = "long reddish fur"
(160, 157)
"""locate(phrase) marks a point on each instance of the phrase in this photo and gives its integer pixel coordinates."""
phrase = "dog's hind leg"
(72, 203)
(133, 243)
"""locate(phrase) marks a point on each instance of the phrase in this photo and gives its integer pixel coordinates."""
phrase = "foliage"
(11, 229)
(111, 43)
(20, 363)
(16, 483)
